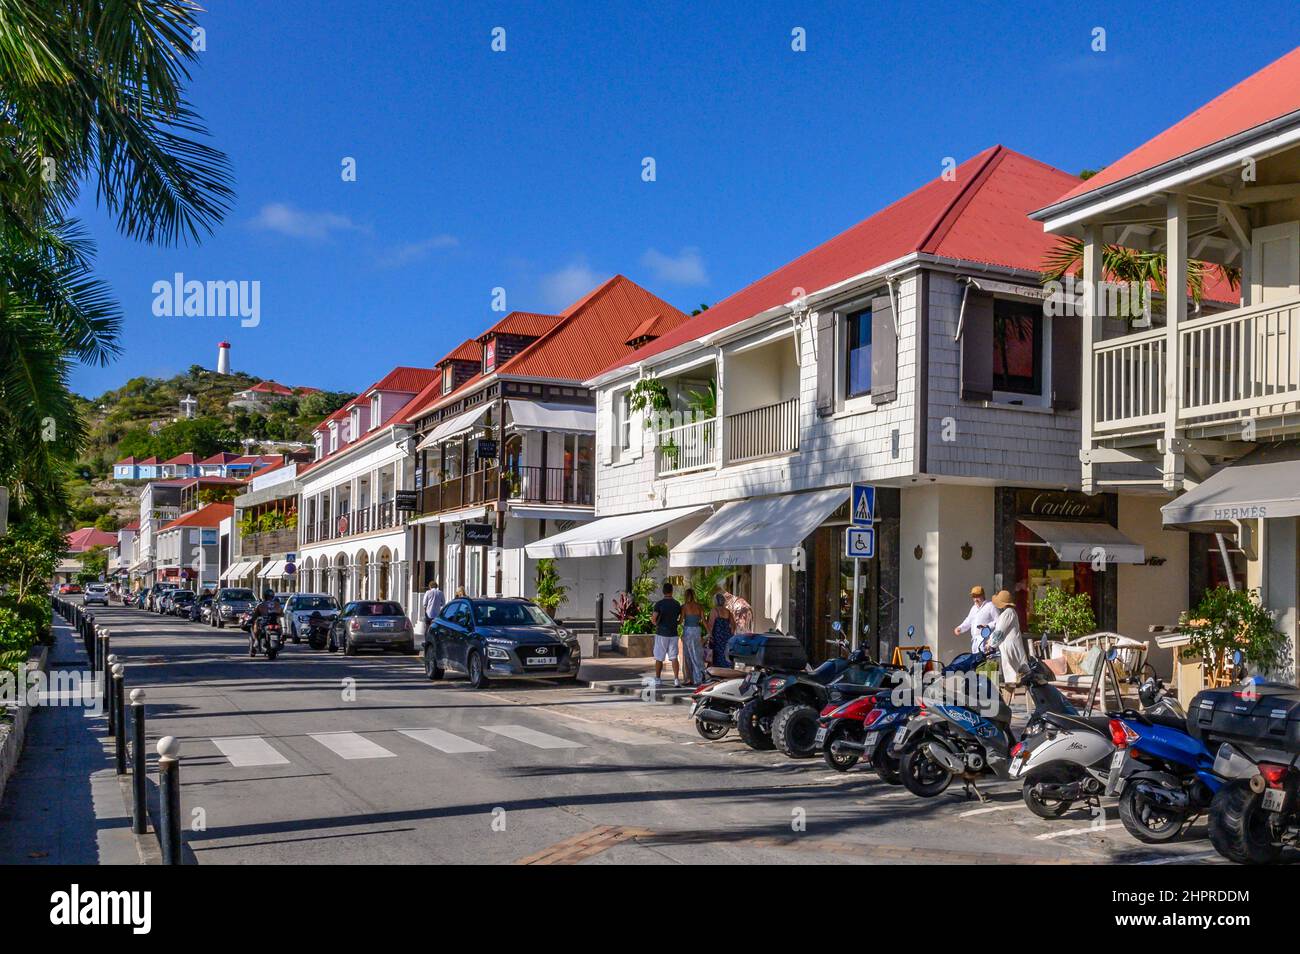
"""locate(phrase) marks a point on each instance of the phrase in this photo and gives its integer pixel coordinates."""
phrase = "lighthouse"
(223, 358)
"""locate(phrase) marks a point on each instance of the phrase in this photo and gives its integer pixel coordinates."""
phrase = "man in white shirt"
(433, 601)
(979, 622)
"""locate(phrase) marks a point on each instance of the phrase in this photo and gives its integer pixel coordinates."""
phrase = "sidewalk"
(627, 675)
(64, 804)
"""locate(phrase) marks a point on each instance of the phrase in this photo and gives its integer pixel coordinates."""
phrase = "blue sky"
(522, 169)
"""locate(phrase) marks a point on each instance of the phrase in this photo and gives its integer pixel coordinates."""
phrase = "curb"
(636, 687)
(11, 744)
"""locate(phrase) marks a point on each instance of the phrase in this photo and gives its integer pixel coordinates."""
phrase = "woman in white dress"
(1010, 642)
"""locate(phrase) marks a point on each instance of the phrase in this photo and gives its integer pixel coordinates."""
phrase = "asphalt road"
(316, 757)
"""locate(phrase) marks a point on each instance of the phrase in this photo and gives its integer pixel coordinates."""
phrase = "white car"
(96, 593)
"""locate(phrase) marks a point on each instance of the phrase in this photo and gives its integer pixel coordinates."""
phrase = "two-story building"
(264, 537)
(506, 449)
(188, 550)
(1205, 405)
(910, 352)
(352, 534)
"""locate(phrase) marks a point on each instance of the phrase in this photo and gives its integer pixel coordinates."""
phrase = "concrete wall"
(1151, 595)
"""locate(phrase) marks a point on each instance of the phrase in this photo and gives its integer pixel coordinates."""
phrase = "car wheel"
(432, 671)
(474, 667)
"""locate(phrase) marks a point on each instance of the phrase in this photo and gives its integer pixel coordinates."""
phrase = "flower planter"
(634, 644)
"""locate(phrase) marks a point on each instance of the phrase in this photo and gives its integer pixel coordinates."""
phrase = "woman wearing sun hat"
(1009, 641)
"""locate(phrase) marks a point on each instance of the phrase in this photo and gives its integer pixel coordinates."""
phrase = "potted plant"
(1064, 616)
(1227, 621)
(550, 591)
(635, 635)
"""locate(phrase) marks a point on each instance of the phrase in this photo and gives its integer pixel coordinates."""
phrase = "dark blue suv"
(500, 638)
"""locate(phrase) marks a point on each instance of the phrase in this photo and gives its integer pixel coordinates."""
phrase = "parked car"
(164, 601)
(230, 602)
(499, 639)
(298, 608)
(96, 593)
(154, 594)
(68, 589)
(371, 624)
(179, 603)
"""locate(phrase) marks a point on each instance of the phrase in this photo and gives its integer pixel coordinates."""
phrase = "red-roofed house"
(910, 352)
(79, 541)
(1206, 404)
(265, 393)
(188, 548)
(182, 465)
(537, 472)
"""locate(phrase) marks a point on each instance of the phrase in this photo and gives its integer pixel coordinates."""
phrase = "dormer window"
(355, 420)
(320, 445)
(375, 416)
(334, 436)
(448, 377)
(489, 355)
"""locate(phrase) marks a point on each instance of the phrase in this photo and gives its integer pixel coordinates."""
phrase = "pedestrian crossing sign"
(862, 505)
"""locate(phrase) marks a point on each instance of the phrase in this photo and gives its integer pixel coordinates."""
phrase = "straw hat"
(977, 591)
(1002, 599)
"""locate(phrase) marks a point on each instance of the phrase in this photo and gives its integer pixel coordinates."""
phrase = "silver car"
(298, 608)
(96, 593)
(372, 624)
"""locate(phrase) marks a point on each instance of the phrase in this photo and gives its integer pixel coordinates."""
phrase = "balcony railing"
(1235, 364)
(536, 485)
(269, 541)
(379, 516)
(687, 447)
(763, 431)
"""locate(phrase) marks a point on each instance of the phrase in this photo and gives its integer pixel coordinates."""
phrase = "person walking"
(980, 621)
(692, 632)
(665, 616)
(721, 627)
(1010, 642)
(433, 601)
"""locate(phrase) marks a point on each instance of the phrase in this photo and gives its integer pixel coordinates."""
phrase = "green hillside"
(143, 418)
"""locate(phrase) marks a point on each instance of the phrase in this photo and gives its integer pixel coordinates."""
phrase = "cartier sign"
(1060, 505)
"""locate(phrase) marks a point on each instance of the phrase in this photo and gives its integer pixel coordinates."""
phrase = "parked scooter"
(318, 630)
(717, 700)
(964, 730)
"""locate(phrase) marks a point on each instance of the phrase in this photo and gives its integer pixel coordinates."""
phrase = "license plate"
(820, 738)
(1018, 761)
(540, 661)
(382, 624)
(870, 740)
(1115, 777)
(1274, 799)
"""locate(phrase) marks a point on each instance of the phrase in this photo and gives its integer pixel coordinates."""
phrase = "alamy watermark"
(211, 299)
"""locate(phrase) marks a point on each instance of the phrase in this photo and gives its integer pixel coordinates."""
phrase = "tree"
(551, 593)
(106, 522)
(204, 436)
(94, 564)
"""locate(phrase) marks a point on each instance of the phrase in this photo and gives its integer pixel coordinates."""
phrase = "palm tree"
(89, 90)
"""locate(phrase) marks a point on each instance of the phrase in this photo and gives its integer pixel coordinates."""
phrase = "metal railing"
(763, 431)
(551, 485)
(378, 516)
(687, 447)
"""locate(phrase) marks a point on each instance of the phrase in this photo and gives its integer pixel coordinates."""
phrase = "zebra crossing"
(254, 751)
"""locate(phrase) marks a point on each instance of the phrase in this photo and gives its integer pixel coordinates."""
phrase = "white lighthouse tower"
(223, 358)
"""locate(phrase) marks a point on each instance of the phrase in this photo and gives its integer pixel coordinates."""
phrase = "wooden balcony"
(269, 541)
(1233, 366)
(763, 431)
(534, 485)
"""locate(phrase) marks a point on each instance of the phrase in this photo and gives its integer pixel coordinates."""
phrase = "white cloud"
(299, 223)
(564, 287)
(409, 252)
(684, 268)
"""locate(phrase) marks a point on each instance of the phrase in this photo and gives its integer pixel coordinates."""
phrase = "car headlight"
(496, 652)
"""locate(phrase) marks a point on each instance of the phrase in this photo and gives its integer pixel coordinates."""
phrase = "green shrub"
(1228, 620)
(1058, 613)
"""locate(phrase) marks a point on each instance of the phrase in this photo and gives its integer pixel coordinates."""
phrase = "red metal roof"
(652, 327)
(222, 457)
(79, 541)
(594, 332)
(149, 460)
(1272, 92)
(210, 515)
(403, 380)
(133, 525)
(186, 458)
(125, 460)
(467, 350)
(978, 215)
(529, 324)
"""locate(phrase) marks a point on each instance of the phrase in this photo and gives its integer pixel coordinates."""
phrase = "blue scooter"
(1163, 775)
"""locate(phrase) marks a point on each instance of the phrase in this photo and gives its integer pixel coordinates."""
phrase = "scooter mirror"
(911, 631)
(836, 626)
(926, 655)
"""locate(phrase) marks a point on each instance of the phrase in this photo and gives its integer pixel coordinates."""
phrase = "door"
(1275, 263)
(453, 628)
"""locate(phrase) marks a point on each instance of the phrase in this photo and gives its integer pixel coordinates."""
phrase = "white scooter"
(716, 702)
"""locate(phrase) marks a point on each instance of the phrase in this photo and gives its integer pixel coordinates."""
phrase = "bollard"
(169, 799)
(119, 721)
(600, 625)
(108, 691)
(139, 810)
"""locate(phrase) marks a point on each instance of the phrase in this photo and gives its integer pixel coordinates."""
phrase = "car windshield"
(509, 614)
(183, 596)
(315, 603)
(376, 609)
(238, 595)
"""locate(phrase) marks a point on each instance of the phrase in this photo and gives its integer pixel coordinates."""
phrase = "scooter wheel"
(749, 726)
(1239, 826)
(1147, 821)
(887, 765)
(922, 775)
(841, 761)
(711, 730)
(1045, 807)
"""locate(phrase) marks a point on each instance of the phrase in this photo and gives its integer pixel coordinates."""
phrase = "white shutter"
(607, 427)
(637, 433)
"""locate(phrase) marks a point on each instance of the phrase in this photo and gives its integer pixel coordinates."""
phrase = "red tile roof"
(979, 215)
(529, 324)
(210, 515)
(594, 333)
(1269, 94)
(79, 541)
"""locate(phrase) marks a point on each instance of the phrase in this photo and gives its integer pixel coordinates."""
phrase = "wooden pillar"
(1176, 309)
(1092, 251)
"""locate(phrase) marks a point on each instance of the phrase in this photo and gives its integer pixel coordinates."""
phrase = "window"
(857, 372)
(374, 412)
(355, 421)
(448, 376)
(622, 424)
(1017, 347)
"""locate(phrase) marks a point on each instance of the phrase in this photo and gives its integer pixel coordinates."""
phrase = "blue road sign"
(862, 509)
(860, 543)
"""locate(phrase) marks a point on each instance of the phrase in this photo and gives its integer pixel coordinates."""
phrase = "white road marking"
(898, 795)
(991, 808)
(521, 733)
(443, 741)
(349, 745)
(249, 750)
(617, 734)
(1065, 833)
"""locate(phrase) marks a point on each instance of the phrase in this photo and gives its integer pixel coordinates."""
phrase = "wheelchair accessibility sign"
(860, 543)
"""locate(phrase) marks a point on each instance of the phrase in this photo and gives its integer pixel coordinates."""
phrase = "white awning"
(605, 537)
(541, 416)
(758, 531)
(240, 569)
(1086, 542)
(542, 512)
(476, 514)
(453, 425)
(273, 570)
(1260, 486)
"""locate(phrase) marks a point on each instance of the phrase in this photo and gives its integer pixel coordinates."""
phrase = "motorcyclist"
(268, 609)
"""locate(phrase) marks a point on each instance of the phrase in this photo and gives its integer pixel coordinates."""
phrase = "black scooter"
(318, 630)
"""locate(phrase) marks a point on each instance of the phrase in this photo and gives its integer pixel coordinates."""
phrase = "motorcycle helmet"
(268, 595)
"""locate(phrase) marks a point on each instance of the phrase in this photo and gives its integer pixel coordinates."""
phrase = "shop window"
(857, 373)
(1038, 569)
(1017, 347)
